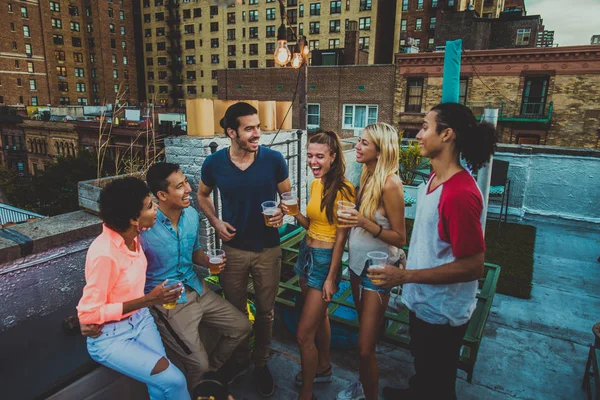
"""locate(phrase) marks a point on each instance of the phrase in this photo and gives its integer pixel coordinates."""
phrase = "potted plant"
(412, 166)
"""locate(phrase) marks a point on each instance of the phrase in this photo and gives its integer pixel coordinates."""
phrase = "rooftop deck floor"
(532, 349)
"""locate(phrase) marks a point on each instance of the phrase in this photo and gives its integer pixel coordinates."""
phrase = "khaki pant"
(265, 267)
(180, 331)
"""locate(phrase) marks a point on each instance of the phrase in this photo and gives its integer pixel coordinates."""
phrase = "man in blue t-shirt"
(247, 175)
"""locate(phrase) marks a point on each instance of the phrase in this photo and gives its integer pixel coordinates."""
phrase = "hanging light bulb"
(282, 52)
(304, 46)
(297, 60)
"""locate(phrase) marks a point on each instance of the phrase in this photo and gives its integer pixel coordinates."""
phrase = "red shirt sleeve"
(460, 211)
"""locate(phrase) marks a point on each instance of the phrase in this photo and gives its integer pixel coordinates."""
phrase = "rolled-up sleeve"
(101, 273)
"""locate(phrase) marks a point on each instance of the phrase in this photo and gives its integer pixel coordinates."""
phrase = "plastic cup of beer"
(215, 259)
(377, 259)
(171, 282)
(291, 202)
(343, 207)
(269, 208)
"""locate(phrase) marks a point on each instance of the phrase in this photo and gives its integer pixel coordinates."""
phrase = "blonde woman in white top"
(378, 225)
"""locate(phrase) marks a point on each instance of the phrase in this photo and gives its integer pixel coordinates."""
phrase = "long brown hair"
(335, 179)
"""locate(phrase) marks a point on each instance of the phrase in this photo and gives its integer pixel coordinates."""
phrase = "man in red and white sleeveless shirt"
(445, 259)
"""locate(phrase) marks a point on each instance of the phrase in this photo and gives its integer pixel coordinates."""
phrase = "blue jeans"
(366, 283)
(312, 265)
(132, 347)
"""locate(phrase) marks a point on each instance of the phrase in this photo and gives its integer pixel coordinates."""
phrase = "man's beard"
(244, 144)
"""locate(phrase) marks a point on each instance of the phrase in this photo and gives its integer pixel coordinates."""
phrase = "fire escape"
(175, 64)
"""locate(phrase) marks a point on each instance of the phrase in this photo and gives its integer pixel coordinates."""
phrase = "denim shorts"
(366, 283)
(313, 265)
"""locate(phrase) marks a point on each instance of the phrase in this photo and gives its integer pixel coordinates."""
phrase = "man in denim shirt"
(172, 247)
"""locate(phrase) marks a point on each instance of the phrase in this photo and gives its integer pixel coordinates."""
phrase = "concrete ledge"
(52, 232)
(533, 149)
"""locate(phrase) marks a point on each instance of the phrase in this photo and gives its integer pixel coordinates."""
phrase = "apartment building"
(418, 19)
(186, 42)
(66, 52)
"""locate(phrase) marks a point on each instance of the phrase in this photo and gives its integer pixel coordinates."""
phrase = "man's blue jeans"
(133, 347)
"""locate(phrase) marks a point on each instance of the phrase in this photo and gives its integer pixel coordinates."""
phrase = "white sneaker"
(353, 392)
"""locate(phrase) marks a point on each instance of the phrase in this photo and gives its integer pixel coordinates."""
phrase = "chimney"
(351, 50)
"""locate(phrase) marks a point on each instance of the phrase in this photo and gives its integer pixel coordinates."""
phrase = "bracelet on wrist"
(380, 230)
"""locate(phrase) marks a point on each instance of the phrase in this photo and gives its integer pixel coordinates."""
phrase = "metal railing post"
(213, 149)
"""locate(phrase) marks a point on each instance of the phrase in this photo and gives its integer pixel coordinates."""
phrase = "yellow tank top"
(319, 227)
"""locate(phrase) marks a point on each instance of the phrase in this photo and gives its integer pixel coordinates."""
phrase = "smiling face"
(431, 142)
(248, 133)
(178, 192)
(366, 150)
(319, 159)
(147, 216)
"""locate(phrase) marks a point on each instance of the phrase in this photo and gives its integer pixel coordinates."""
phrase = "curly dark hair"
(121, 201)
(231, 118)
(157, 176)
(476, 142)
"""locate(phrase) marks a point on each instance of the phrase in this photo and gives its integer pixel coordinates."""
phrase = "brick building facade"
(341, 98)
(46, 141)
(67, 52)
(545, 95)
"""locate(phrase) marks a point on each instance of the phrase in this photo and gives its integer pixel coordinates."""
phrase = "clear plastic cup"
(269, 208)
(215, 259)
(343, 206)
(171, 282)
(291, 202)
(377, 259)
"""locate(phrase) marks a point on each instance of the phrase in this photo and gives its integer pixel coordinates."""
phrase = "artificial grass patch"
(512, 249)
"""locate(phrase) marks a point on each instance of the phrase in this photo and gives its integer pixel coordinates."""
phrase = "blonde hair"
(385, 139)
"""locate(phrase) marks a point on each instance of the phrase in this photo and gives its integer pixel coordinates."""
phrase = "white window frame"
(521, 33)
(313, 126)
(352, 126)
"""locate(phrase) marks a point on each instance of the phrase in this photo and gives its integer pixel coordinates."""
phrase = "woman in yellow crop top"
(320, 257)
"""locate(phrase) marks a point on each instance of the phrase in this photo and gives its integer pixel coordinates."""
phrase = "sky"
(573, 21)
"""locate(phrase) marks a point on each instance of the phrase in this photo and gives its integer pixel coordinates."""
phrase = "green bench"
(396, 324)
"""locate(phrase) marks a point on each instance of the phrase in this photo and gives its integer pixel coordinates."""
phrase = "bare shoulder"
(393, 183)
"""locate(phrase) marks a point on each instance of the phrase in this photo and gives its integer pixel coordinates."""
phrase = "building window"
(32, 84)
(160, 31)
(59, 55)
(535, 90)
(301, 10)
(26, 31)
(334, 26)
(231, 64)
(270, 14)
(28, 49)
(315, 9)
(160, 46)
(79, 72)
(418, 24)
(24, 13)
(314, 27)
(270, 31)
(253, 63)
(162, 75)
(149, 61)
(450, 3)
(270, 48)
(197, 12)
(231, 17)
(253, 32)
(34, 101)
(161, 60)
(214, 26)
(94, 73)
(290, 3)
(30, 68)
(419, 4)
(64, 101)
(80, 87)
(75, 27)
(431, 43)
(313, 45)
(365, 5)
(58, 39)
(364, 24)
(110, 12)
(61, 71)
(74, 11)
(150, 75)
(335, 7)
(404, 5)
(115, 74)
(191, 90)
(313, 116)
(414, 95)
(363, 43)
(214, 11)
(190, 60)
(292, 16)
(434, 3)
(76, 42)
(19, 83)
(462, 93)
(253, 16)
(122, 15)
(111, 28)
(253, 49)
(78, 57)
(187, 29)
(523, 36)
(191, 75)
(230, 34)
(214, 59)
(190, 44)
(214, 43)
(123, 30)
(334, 43)
(358, 116)
(114, 58)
